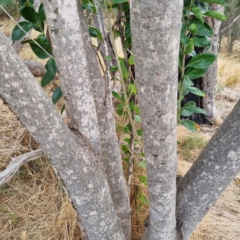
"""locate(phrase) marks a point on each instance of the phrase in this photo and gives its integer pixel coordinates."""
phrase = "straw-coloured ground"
(34, 206)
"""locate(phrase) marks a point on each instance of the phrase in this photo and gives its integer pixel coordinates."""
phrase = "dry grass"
(228, 72)
(190, 144)
(32, 204)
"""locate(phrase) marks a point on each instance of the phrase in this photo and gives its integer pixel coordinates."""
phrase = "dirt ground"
(34, 206)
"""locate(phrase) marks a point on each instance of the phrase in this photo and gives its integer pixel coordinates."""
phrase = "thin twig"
(25, 31)
(131, 161)
(16, 162)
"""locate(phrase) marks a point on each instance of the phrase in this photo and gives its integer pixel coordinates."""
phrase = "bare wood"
(16, 162)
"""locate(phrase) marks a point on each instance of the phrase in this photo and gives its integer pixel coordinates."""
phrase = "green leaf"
(131, 105)
(21, 2)
(196, 91)
(195, 109)
(143, 199)
(137, 118)
(89, 7)
(217, 15)
(190, 103)
(120, 106)
(95, 33)
(41, 13)
(139, 132)
(197, 12)
(38, 51)
(184, 40)
(47, 78)
(127, 128)
(108, 58)
(137, 110)
(200, 41)
(5, 2)
(131, 60)
(113, 69)
(132, 89)
(18, 33)
(192, 28)
(187, 82)
(142, 165)
(191, 107)
(42, 40)
(118, 1)
(51, 66)
(143, 179)
(202, 61)
(204, 7)
(190, 47)
(25, 2)
(193, 73)
(57, 94)
(29, 14)
(127, 140)
(203, 29)
(37, 28)
(115, 94)
(125, 149)
(127, 30)
(190, 125)
(124, 68)
(63, 108)
(221, 2)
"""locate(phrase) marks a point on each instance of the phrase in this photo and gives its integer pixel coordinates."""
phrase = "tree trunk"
(75, 161)
(157, 82)
(209, 81)
(83, 78)
(210, 174)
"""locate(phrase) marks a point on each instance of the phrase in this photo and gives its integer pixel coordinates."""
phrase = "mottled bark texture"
(210, 174)
(76, 162)
(68, 48)
(82, 82)
(155, 27)
(209, 80)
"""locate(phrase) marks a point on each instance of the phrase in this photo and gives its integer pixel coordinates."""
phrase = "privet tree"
(85, 152)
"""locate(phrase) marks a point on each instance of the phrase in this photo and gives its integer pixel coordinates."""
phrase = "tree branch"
(157, 82)
(229, 25)
(16, 162)
(77, 165)
(209, 175)
(36, 68)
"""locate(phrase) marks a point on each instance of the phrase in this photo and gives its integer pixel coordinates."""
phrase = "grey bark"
(36, 68)
(66, 33)
(76, 162)
(80, 76)
(209, 80)
(156, 57)
(210, 174)
(105, 45)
